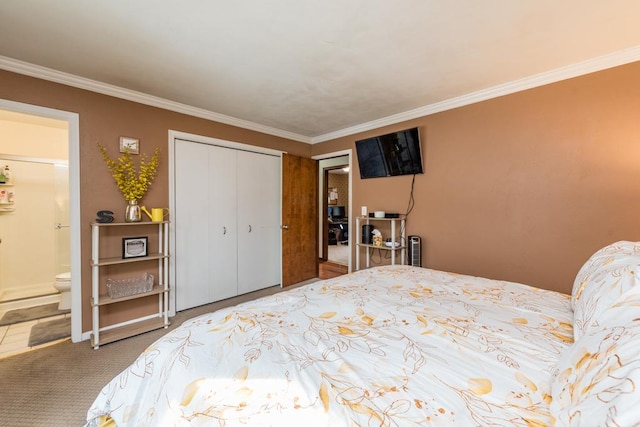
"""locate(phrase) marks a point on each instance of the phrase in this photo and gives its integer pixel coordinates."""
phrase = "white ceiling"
(314, 70)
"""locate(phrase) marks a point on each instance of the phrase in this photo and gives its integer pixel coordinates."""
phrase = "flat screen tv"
(336, 211)
(393, 154)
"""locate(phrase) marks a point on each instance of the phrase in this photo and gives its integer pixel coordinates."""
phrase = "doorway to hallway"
(334, 188)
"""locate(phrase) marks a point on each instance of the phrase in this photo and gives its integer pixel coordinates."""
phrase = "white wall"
(32, 136)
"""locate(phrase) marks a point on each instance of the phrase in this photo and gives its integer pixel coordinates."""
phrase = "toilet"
(63, 285)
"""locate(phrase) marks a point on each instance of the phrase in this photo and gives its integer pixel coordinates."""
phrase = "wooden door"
(299, 219)
(259, 248)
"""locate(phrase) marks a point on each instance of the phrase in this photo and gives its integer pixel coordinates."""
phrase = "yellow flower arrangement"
(133, 184)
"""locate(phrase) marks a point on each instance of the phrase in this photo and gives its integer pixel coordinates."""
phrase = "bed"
(399, 346)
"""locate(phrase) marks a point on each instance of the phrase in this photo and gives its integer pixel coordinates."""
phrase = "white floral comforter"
(395, 346)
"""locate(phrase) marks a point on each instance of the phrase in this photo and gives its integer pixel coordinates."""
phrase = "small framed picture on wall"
(134, 247)
(132, 145)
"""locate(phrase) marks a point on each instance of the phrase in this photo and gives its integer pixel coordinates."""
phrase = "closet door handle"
(224, 230)
(284, 227)
(249, 228)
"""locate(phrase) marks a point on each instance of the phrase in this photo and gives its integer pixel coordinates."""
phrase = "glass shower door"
(62, 240)
(34, 249)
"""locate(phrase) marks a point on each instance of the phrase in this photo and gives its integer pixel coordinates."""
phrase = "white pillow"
(607, 274)
(597, 379)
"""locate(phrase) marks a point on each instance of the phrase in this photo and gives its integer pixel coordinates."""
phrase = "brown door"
(299, 219)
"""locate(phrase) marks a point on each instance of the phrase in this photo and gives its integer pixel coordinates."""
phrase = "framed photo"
(132, 145)
(134, 247)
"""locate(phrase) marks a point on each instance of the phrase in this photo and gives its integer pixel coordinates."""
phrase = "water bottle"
(7, 175)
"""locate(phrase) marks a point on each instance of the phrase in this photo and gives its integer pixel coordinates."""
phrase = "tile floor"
(14, 339)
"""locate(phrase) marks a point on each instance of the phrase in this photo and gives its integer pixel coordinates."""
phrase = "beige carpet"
(339, 254)
(56, 385)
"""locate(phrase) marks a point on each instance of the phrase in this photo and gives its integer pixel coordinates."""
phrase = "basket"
(119, 288)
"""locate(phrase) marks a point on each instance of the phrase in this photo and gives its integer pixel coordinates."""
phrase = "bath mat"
(50, 331)
(31, 313)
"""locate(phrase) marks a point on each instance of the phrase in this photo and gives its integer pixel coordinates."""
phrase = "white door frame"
(73, 121)
(173, 135)
(348, 152)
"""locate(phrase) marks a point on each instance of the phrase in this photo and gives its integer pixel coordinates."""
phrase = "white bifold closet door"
(259, 243)
(226, 217)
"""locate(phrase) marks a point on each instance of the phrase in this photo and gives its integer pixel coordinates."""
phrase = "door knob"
(284, 227)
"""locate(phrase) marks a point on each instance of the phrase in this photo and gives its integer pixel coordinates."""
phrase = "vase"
(133, 213)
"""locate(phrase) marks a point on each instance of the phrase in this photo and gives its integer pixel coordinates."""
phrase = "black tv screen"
(337, 212)
(393, 154)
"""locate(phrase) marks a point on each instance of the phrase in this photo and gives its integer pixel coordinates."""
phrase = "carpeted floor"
(339, 254)
(55, 385)
(52, 330)
(31, 313)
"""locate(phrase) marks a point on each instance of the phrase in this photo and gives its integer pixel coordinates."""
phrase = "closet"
(227, 222)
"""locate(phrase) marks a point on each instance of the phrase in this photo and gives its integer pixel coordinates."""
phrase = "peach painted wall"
(103, 119)
(341, 183)
(524, 187)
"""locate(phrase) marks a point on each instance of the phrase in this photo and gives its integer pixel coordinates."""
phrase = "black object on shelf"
(104, 217)
(367, 234)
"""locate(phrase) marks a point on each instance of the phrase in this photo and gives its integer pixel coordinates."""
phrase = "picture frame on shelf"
(132, 145)
(134, 247)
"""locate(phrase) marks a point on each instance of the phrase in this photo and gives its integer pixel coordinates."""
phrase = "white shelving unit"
(6, 206)
(104, 335)
(365, 220)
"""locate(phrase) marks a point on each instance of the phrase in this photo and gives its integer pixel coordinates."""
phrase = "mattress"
(390, 346)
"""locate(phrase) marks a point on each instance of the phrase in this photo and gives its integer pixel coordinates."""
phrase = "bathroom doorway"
(39, 224)
(34, 225)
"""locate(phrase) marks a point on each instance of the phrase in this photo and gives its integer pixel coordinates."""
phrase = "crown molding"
(611, 60)
(32, 70)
